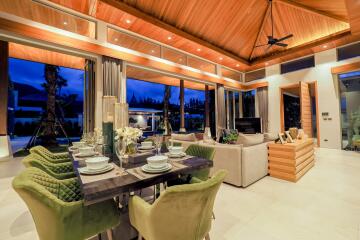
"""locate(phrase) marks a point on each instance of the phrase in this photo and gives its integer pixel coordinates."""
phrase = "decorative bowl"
(96, 162)
(157, 161)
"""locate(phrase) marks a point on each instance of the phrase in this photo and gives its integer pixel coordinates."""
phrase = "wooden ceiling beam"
(266, 14)
(306, 46)
(139, 14)
(312, 10)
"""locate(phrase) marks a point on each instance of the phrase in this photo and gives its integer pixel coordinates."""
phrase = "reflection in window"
(248, 101)
(201, 64)
(39, 12)
(174, 56)
(135, 43)
(228, 73)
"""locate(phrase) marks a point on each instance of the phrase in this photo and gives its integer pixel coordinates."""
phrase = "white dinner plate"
(178, 155)
(82, 155)
(146, 148)
(148, 169)
(89, 171)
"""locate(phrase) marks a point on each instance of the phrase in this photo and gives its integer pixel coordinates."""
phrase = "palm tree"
(53, 82)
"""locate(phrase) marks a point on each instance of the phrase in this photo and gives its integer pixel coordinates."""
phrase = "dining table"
(128, 177)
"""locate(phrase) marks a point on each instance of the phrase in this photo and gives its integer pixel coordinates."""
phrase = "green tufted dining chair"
(57, 170)
(50, 156)
(181, 212)
(58, 209)
(203, 152)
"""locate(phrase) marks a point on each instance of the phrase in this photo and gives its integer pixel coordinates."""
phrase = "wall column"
(4, 85)
(182, 107)
(221, 111)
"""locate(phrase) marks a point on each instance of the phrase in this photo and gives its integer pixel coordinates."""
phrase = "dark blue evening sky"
(32, 73)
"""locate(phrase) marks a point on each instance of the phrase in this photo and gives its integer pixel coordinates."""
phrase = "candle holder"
(108, 123)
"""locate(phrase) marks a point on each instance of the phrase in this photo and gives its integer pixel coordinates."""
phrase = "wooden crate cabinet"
(291, 161)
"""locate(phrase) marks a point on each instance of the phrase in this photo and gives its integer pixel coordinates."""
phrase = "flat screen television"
(248, 125)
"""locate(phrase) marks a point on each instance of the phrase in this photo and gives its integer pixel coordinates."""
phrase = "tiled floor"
(324, 204)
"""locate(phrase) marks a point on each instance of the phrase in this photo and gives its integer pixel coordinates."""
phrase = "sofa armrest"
(254, 163)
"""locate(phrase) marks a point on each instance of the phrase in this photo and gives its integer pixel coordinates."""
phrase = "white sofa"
(245, 165)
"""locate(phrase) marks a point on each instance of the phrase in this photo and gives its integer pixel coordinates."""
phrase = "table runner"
(137, 172)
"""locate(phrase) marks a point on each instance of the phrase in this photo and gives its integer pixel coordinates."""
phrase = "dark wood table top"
(104, 189)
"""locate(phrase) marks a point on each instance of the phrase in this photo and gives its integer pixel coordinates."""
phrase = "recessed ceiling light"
(152, 51)
(199, 49)
(128, 21)
(116, 39)
(65, 22)
(169, 38)
(266, 64)
(220, 58)
(238, 65)
(325, 46)
(180, 59)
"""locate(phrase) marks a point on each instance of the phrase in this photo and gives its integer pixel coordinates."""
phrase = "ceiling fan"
(271, 40)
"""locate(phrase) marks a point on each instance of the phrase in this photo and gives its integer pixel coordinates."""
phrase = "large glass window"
(350, 110)
(30, 95)
(194, 109)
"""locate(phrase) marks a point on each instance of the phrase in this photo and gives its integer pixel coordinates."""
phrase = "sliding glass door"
(349, 84)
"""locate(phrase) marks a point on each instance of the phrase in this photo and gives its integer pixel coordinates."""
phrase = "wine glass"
(120, 149)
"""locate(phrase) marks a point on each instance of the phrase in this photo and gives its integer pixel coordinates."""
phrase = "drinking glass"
(158, 140)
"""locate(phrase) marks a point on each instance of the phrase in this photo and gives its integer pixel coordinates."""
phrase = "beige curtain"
(263, 107)
(111, 76)
(220, 111)
(89, 97)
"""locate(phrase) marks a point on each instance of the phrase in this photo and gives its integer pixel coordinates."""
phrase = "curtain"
(221, 111)
(89, 97)
(263, 107)
(111, 76)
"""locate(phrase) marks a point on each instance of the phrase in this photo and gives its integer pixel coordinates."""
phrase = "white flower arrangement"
(128, 134)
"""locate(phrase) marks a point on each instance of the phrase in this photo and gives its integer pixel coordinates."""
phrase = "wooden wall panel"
(4, 83)
(353, 8)
(305, 108)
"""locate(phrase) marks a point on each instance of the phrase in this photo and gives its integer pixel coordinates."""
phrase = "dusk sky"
(32, 73)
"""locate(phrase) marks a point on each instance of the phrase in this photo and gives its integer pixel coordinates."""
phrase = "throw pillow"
(250, 139)
(184, 137)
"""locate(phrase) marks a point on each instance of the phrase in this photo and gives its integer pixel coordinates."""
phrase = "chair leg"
(109, 234)
(207, 237)
(99, 236)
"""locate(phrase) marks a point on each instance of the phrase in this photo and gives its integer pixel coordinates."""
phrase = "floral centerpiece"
(128, 136)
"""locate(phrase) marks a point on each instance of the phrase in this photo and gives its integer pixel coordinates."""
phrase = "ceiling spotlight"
(325, 46)
(169, 38)
(220, 58)
(266, 64)
(238, 65)
(128, 21)
(180, 59)
(116, 39)
(65, 22)
(199, 49)
(152, 51)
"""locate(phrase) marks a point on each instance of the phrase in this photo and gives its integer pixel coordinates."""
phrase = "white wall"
(330, 130)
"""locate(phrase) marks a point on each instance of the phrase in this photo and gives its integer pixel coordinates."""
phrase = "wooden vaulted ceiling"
(227, 31)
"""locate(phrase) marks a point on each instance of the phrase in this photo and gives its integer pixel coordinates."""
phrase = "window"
(248, 101)
(255, 75)
(174, 56)
(228, 73)
(37, 12)
(349, 51)
(201, 64)
(135, 43)
(299, 64)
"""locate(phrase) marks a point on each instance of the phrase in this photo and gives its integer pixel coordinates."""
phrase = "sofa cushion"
(184, 137)
(270, 137)
(250, 139)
